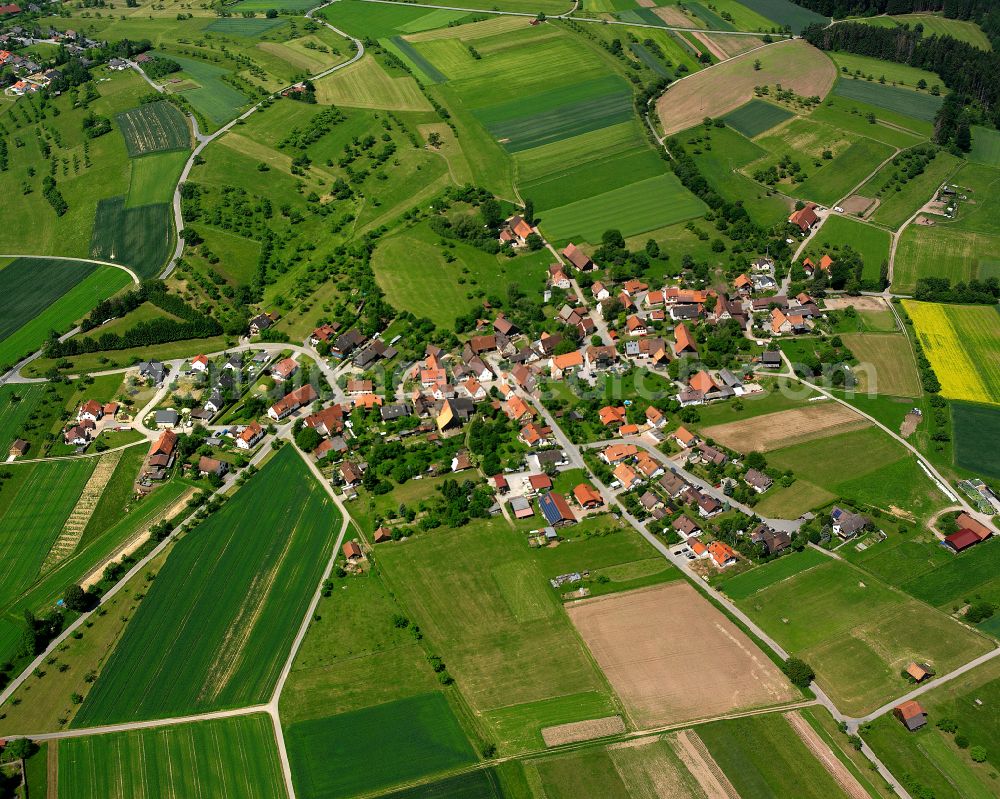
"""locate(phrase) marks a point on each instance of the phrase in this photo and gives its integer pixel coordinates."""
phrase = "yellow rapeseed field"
(961, 343)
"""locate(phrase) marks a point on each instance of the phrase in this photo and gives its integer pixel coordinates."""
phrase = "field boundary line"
(131, 273)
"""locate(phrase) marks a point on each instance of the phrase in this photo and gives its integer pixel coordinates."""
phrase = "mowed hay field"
(485, 607)
(716, 92)
(857, 633)
(865, 466)
(46, 295)
(962, 342)
(224, 757)
(367, 85)
(154, 128)
(671, 656)
(154, 177)
(215, 627)
(785, 428)
(886, 364)
(409, 739)
(943, 251)
(915, 104)
(413, 273)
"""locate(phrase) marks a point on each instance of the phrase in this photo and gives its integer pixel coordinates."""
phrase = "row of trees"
(975, 292)
(969, 72)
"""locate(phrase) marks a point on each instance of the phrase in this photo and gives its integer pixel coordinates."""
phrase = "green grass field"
(33, 508)
(585, 165)
(898, 206)
(154, 178)
(384, 21)
(141, 238)
(414, 738)
(784, 12)
(942, 251)
(977, 437)
(558, 113)
(901, 74)
(762, 756)
(221, 630)
(836, 179)
(214, 98)
(248, 27)
(750, 582)
(857, 633)
(960, 578)
(645, 205)
(483, 603)
(985, 146)
(41, 285)
(870, 242)
(919, 105)
(153, 128)
(225, 757)
(412, 270)
(930, 756)
(864, 465)
(756, 117)
(936, 25)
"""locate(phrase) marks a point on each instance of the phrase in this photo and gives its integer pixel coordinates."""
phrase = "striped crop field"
(892, 98)
(756, 117)
(154, 128)
(140, 237)
(234, 758)
(962, 343)
(215, 627)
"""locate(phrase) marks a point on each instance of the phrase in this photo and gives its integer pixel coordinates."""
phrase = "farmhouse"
(19, 448)
(919, 671)
(327, 421)
(573, 254)
(79, 434)
(805, 218)
(555, 509)
(966, 522)
(161, 455)
(249, 436)
(214, 466)
(773, 541)
(685, 527)
(961, 540)
(352, 552)
(683, 343)
(167, 418)
(911, 715)
(382, 534)
(92, 410)
(539, 482)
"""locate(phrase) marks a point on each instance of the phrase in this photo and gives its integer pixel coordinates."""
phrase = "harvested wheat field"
(716, 91)
(710, 45)
(699, 761)
(672, 657)
(730, 46)
(821, 751)
(676, 18)
(784, 428)
(582, 730)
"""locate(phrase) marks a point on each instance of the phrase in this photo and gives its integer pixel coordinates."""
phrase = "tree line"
(190, 323)
(969, 72)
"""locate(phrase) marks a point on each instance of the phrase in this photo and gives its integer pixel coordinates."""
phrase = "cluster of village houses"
(32, 76)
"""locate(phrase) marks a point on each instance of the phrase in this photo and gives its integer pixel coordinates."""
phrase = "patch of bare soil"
(822, 752)
(674, 17)
(857, 204)
(693, 753)
(910, 422)
(582, 730)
